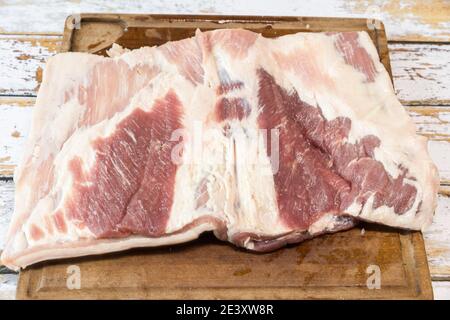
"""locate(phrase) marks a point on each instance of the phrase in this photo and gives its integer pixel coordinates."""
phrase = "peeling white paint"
(421, 72)
(15, 123)
(8, 285)
(440, 153)
(20, 59)
(401, 23)
(432, 121)
(441, 290)
(437, 237)
(6, 208)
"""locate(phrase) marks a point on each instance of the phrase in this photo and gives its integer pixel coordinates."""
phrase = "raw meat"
(262, 141)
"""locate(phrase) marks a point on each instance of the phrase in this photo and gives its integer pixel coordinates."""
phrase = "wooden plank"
(405, 20)
(441, 290)
(440, 153)
(6, 208)
(8, 285)
(433, 122)
(330, 266)
(437, 238)
(22, 61)
(420, 71)
(15, 122)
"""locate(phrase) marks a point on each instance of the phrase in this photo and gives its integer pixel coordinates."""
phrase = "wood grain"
(22, 61)
(437, 238)
(421, 73)
(6, 208)
(413, 20)
(441, 290)
(15, 122)
(331, 266)
(8, 284)
(433, 122)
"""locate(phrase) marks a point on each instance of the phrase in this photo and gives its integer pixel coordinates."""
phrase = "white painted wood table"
(419, 43)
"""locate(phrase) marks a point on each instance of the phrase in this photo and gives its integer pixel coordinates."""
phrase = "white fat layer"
(327, 222)
(59, 250)
(116, 50)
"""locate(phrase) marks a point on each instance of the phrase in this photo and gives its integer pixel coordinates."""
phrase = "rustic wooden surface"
(327, 267)
(420, 58)
(411, 20)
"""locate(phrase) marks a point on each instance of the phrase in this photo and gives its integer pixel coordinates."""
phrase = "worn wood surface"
(8, 285)
(411, 20)
(23, 59)
(328, 267)
(6, 208)
(15, 121)
(441, 290)
(420, 71)
(437, 238)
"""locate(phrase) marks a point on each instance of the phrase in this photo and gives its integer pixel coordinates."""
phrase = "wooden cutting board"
(344, 265)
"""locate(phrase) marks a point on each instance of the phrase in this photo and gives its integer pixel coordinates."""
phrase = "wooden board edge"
(418, 285)
(23, 291)
(383, 49)
(136, 19)
(67, 35)
(421, 267)
(142, 20)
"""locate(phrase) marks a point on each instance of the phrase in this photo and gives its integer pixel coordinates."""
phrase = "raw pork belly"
(262, 141)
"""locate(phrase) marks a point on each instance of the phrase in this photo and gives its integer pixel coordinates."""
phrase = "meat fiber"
(262, 141)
